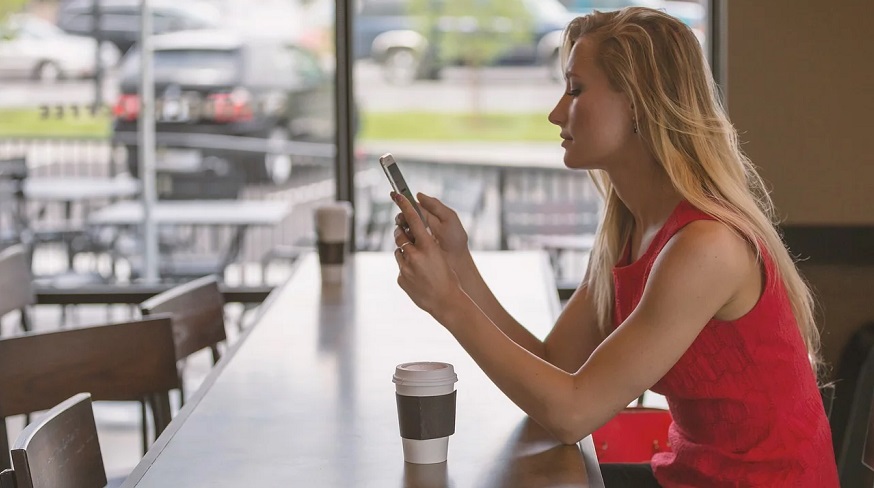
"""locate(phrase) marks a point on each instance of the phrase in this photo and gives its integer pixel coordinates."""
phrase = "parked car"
(583, 7)
(690, 12)
(120, 19)
(31, 47)
(228, 102)
(387, 32)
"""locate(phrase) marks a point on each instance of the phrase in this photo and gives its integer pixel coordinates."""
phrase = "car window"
(379, 8)
(39, 29)
(547, 10)
(197, 67)
(581, 5)
(304, 63)
(80, 22)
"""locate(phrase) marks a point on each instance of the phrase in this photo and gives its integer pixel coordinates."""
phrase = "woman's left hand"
(424, 273)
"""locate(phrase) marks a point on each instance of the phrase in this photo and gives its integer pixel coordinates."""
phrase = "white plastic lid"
(424, 373)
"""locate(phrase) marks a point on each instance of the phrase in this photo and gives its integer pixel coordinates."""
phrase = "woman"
(689, 290)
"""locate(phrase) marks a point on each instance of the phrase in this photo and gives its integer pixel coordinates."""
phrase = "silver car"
(31, 47)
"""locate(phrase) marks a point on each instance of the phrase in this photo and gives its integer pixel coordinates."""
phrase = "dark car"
(227, 101)
(387, 32)
(120, 19)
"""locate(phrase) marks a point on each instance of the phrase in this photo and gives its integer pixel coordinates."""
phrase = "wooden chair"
(61, 449)
(855, 451)
(197, 311)
(119, 362)
(15, 281)
(868, 452)
(7, 479)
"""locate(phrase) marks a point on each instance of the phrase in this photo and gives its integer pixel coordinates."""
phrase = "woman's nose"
(557, 115)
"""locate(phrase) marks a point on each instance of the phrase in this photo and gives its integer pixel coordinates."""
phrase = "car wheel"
(47, 72)
(131, 159)
(277, 162)
(401, 66)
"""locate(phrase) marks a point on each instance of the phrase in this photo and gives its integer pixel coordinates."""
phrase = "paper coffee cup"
(332, 221)
(333, 228)
(425, 394)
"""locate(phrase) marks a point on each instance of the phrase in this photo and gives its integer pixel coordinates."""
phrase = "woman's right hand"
(445, 227)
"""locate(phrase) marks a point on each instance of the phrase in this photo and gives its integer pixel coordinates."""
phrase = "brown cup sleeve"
(331, 252)
(429, 417)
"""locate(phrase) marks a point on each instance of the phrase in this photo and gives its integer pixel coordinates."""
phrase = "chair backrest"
(13, 169)
(868, 453)
(13, 172)
(521, 218)
(61, 449)
(197, 310)
(15, 281)
(853, 452)
(124, 361)
(7, 479)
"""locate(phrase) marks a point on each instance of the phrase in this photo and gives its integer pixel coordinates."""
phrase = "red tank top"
(746, 407)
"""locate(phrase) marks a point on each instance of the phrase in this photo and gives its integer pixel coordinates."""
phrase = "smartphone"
(398, 183)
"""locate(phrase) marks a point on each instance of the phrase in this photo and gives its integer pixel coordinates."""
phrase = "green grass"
(34, 122)
(435, 126)
(410, 126)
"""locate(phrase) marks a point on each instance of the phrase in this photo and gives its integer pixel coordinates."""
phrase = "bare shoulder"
(712, 240)
(710, 255)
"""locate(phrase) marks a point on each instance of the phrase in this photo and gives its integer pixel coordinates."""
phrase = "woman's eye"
(572, 92)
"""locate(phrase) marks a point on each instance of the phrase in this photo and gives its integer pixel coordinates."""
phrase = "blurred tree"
(473, 33)
(8, 7)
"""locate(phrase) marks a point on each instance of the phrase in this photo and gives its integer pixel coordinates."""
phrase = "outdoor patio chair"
(13, 222)
(560, 227)
(15, 281)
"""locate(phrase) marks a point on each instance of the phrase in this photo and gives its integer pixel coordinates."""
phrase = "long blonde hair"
(658, 63)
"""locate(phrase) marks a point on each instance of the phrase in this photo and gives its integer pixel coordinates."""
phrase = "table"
(76, 189)
(68, 190)
(194, 212)
(305, 398)
(240, 214)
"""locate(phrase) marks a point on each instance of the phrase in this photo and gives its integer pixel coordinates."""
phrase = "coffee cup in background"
(333, 222)
(425, 393)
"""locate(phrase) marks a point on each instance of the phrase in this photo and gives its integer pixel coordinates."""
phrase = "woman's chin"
(573, 162)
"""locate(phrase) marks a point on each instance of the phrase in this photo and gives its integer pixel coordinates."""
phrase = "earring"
(635, 126)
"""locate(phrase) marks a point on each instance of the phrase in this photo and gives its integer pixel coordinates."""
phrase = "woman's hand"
(445, 227)
(424, 274)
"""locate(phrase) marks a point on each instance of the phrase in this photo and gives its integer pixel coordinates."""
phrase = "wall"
(801, 93)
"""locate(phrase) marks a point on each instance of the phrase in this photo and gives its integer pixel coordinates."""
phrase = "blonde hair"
(657, 62)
